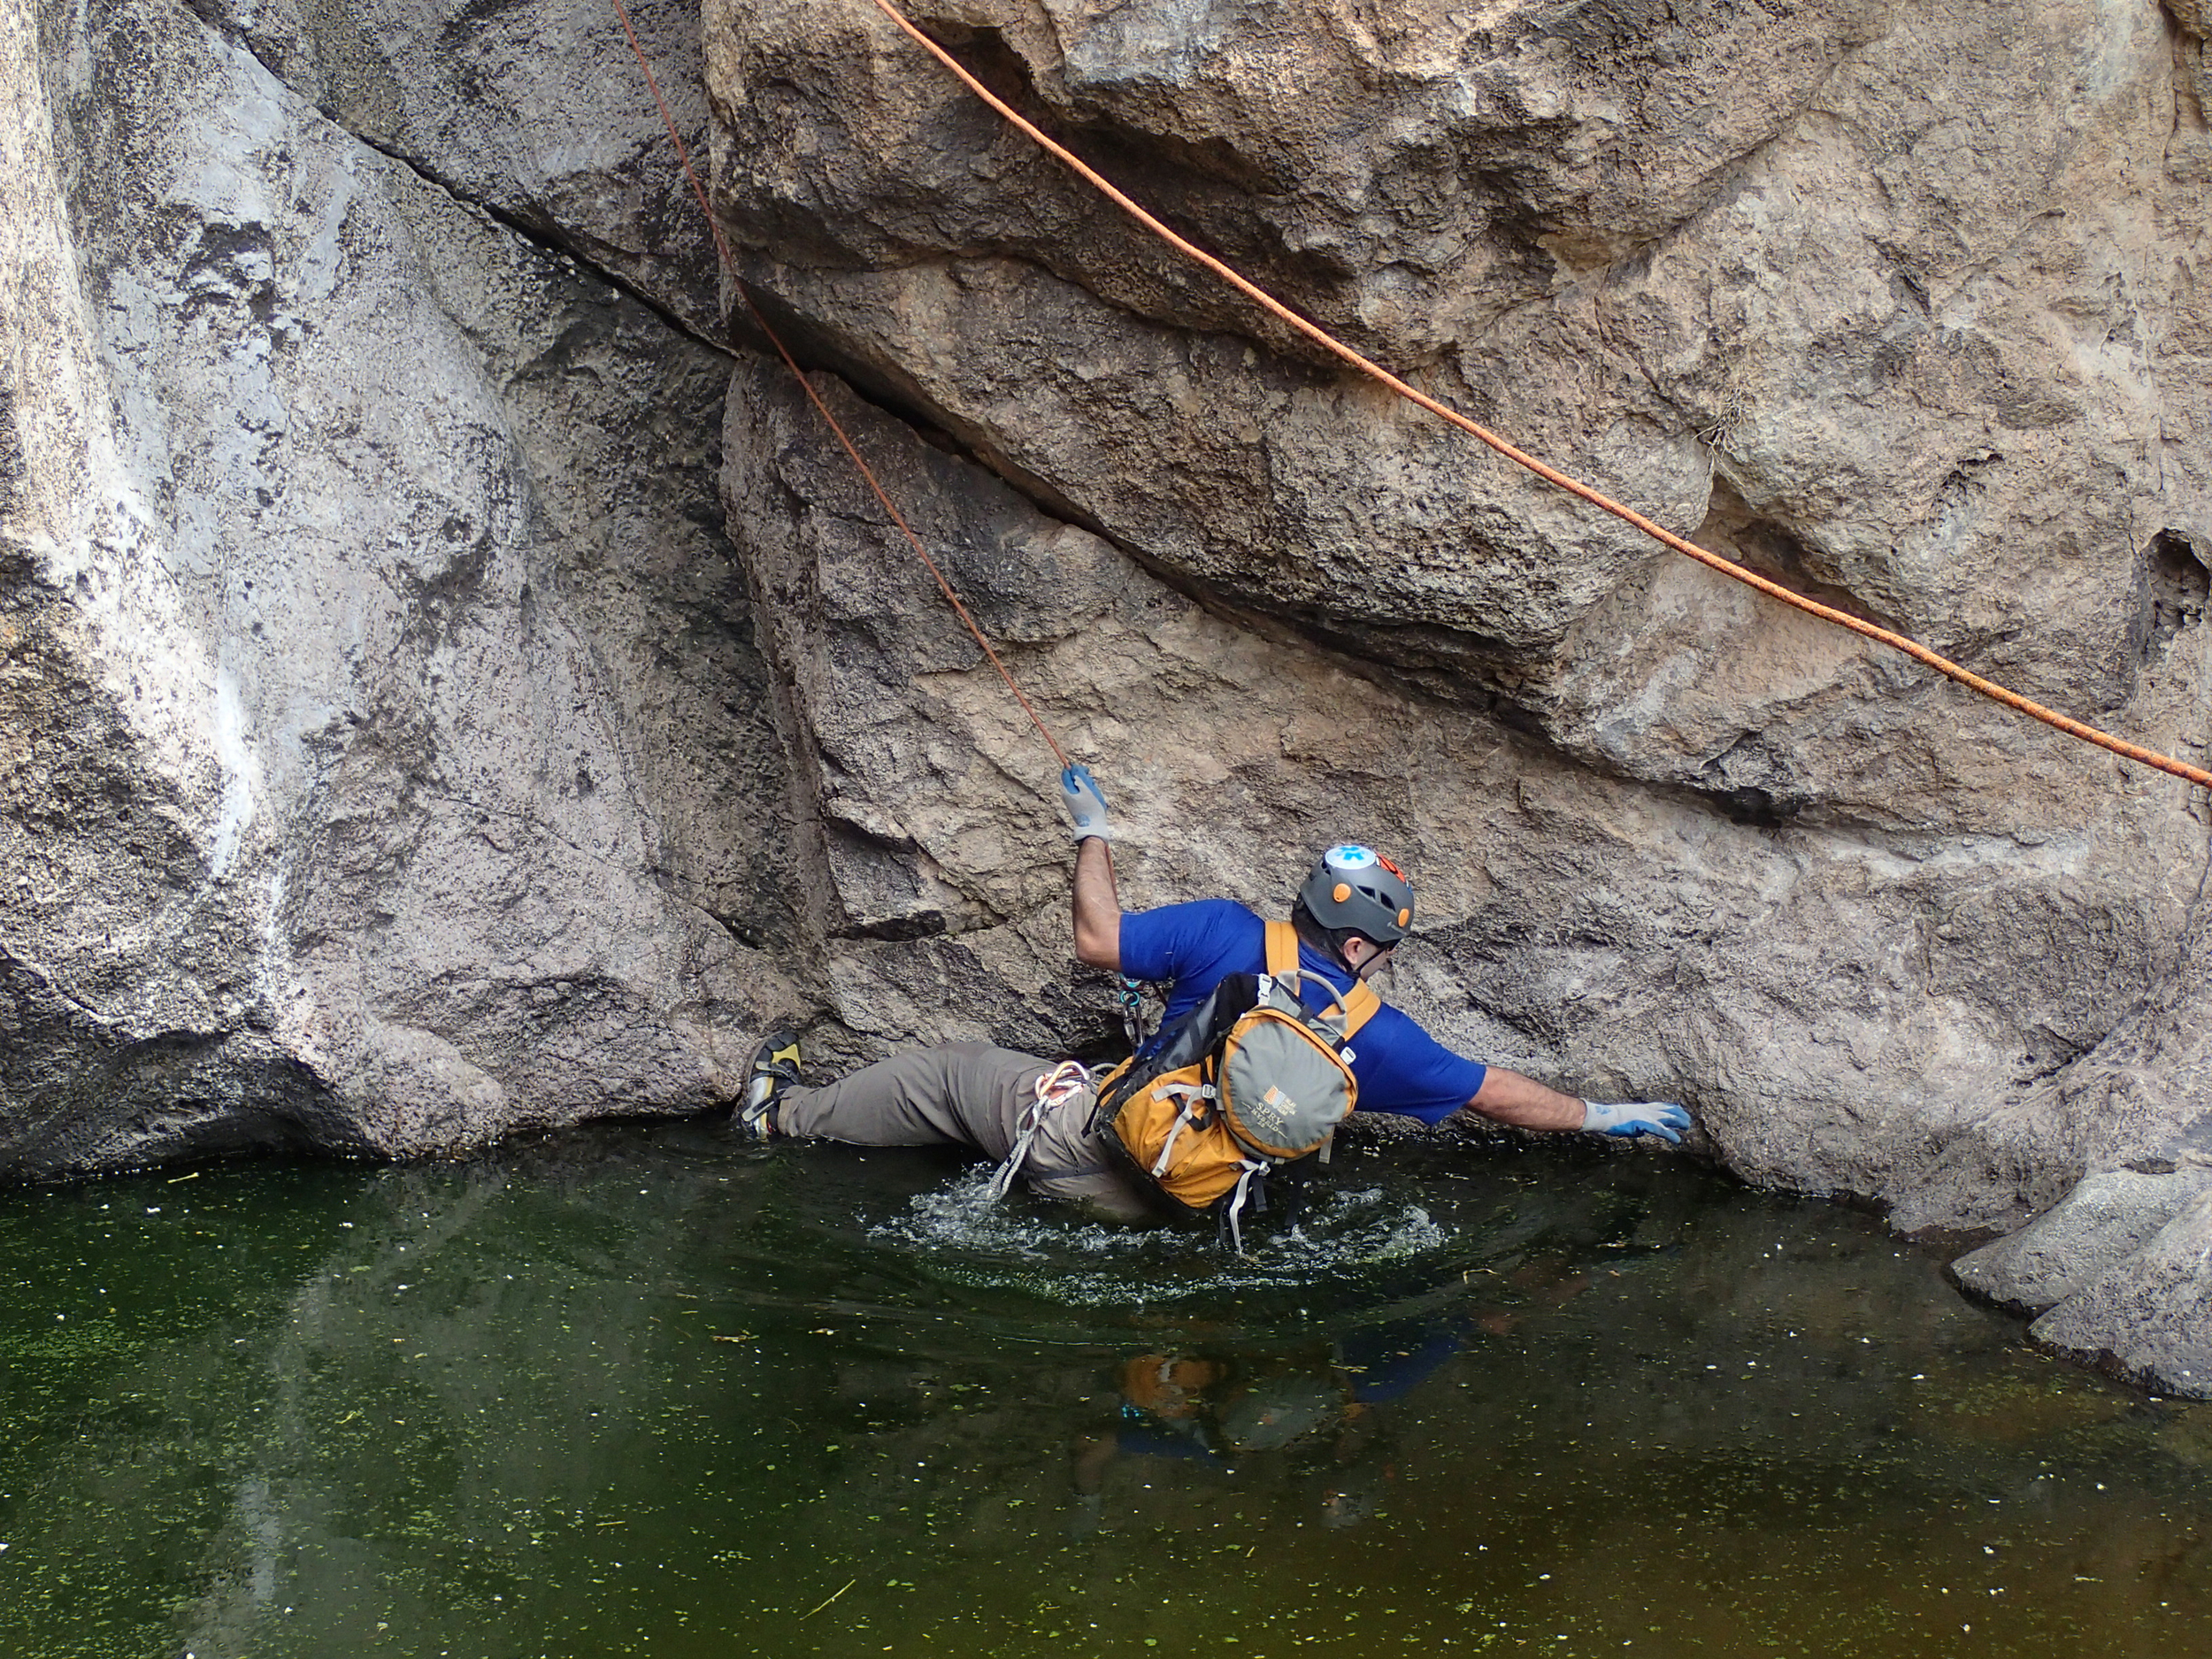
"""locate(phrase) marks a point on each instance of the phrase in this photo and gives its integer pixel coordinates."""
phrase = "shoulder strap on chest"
(1361, 1004)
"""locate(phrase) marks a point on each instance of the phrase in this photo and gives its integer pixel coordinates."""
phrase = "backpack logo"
(1273, 1117)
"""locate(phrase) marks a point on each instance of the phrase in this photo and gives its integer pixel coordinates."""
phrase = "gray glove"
(1660, 1117)
(1080, 793)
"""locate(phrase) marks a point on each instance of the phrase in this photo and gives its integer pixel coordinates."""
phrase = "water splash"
(1052, 1251)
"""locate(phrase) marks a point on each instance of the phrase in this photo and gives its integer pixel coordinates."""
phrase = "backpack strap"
(1361, 1004)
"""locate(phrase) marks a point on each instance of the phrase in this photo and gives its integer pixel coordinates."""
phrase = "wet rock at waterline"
(2118, 1273)
(390, 760)
(386, 762)
(2104, 1220)
(2145, 1316)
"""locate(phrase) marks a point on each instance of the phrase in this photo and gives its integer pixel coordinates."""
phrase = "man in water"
(1352, 911)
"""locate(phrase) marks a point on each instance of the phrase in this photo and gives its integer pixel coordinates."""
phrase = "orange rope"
(1573, 486)
(722, 246)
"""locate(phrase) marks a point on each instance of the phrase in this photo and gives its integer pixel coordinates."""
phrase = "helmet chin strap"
(1377, 955)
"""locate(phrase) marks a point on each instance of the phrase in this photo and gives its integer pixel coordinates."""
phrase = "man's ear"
(1377, 960)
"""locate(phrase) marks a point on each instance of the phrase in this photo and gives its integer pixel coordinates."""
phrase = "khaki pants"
(966, 1093)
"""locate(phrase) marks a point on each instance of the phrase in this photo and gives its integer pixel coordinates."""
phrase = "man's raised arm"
(1097, 903)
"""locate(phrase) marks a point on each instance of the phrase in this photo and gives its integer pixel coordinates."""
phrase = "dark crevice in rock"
(1410, 662)
(545, 235)
(2172, 586)
(813, 903)
(815, 352)
(175, 1095)
(1751, 806)
(2050, 1054)
(814, 344)
(549, 239)
(985, 52)
(1183, 181)
(1770, 548)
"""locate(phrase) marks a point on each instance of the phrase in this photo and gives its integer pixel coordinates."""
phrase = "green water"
(643, 1391)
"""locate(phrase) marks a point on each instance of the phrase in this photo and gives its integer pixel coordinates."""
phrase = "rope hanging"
(722, 247)
(1574, 486)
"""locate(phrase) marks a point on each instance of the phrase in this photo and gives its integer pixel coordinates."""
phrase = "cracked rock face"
(1896, 346)
(1894, 302)
(538, 113)
(402, 743)
(386, 763)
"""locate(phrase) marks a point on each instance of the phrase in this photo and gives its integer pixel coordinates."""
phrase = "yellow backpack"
(1249, 1079)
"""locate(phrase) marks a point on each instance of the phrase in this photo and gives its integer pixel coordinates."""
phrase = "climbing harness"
(1129, 1003)
(1054, 1089)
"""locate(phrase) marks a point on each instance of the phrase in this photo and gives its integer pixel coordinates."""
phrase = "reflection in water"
(651, 1391)
(1303, 1418)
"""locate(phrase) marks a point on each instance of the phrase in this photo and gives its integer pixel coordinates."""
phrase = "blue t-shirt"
(1400, 1068)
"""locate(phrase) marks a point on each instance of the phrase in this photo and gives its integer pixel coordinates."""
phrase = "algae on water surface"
(651, 1391)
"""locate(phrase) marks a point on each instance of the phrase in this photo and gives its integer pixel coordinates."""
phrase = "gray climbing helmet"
(1357, 887)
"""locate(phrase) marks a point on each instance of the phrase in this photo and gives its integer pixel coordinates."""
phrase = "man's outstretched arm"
(1510, 1098)
(1523, 1103)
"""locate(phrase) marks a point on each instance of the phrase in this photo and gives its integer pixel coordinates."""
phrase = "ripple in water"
(1052, 1251)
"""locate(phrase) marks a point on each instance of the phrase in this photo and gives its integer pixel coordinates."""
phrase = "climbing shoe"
(775, 1068)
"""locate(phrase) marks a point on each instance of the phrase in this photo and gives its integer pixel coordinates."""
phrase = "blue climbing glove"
(1080, 792)
(1660, 1117)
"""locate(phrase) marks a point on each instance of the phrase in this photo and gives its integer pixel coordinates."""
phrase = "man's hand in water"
(1660, 1117)
(1086, 803)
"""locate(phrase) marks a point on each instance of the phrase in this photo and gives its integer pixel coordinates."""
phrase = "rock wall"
(403, 743)
(387, 763)
(1894, 302)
